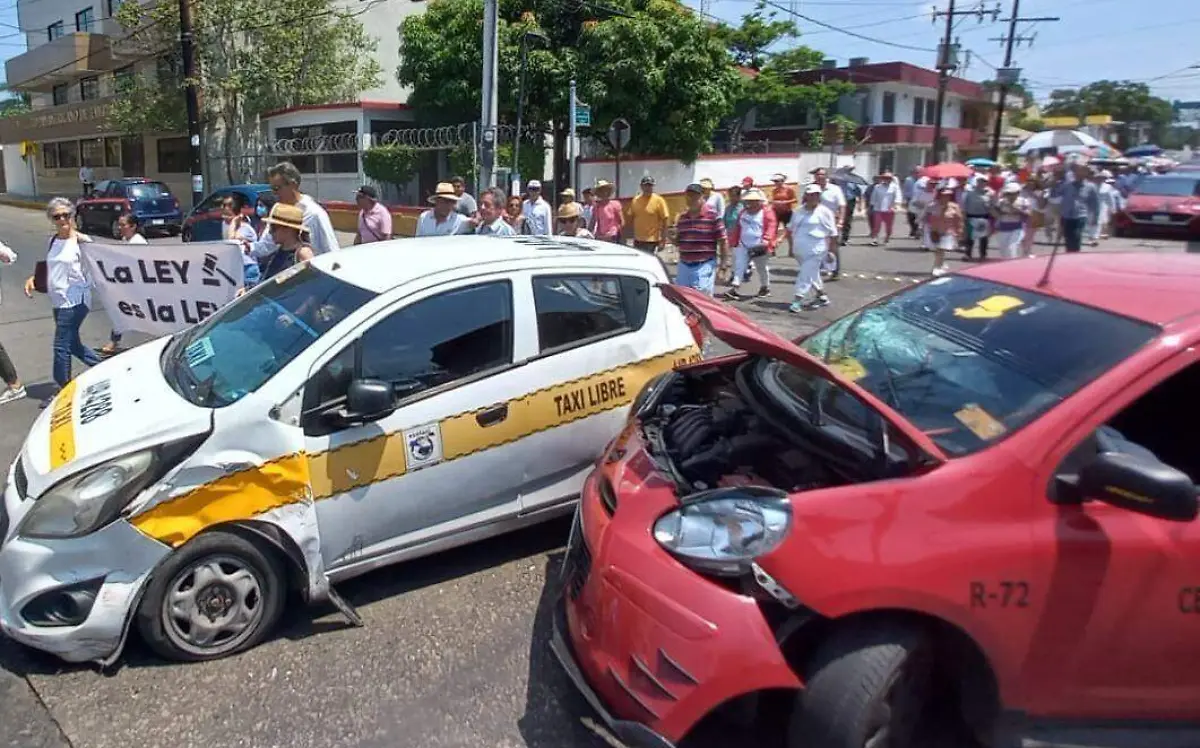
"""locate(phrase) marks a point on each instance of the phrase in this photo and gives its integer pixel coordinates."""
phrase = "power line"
(844, 31)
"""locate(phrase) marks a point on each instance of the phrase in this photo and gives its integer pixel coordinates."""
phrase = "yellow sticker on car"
(980, 422)
(993, 307)
(62, 427)
(849, 367)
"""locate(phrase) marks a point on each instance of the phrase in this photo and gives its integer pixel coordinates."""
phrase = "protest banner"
(162, 288)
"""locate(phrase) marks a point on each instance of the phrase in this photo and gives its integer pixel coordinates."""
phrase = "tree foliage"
(252, 58)
(661, 68)
(1125, 101)
(392, 164)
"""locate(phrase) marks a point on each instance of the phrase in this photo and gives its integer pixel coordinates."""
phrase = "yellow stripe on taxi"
(62, 427)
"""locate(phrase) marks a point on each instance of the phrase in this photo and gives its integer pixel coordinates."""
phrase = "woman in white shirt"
(69, 289)
(127, 226)
(813, 234)
(883, 202)
(13, 390)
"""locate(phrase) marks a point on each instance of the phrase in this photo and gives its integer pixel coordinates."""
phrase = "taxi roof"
(382, 266)
(1151, 287)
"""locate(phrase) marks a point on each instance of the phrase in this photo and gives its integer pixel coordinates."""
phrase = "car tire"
(233, 588)
(185, 235)
(1120, 231)
(114, 230)
(868, 684)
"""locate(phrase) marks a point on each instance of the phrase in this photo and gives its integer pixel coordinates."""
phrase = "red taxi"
(1167, 203)
(962, 510)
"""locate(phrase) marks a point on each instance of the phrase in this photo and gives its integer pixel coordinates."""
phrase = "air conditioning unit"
(828, 64)
(857, 62)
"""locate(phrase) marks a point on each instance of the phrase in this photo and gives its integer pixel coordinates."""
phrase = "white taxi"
(374, 405)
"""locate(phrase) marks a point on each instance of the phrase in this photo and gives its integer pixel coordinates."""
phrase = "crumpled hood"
(120, 406)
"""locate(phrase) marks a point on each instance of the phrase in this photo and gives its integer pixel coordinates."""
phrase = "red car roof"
(1152, 287)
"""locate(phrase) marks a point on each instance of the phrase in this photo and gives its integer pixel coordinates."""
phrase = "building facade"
(895, 106)
(70, 71)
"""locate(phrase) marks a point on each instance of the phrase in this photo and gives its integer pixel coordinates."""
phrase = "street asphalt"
(454, 650)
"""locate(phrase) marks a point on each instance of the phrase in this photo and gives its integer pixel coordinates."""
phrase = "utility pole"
(489, 112)
(187, 50)
(571, 143)
(947, 61)
(1008, 75)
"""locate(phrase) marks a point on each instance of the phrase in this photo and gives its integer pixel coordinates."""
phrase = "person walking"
(87, 180)
(539, 216)
(287, 229)
(813, 234)
(69, 288)
(285, 179)
(608, 218)
(700, 237)
(977, 206)
(466, 203)
(945, 221)
(235, 226)
(589, 202)
(374, 219)
(853, 193)
(907, 191)
(753, 241)
(491, 219)
(1079, 201)
(1010, 212)
(713, 199)
(882, 203)
(570, 221)
(650, 215)
(568, 196)
(924, 193)
(513, 216)
(443, 219)
(732, 207)
(127, 228)
(1109, 200)
(14, 389)
(783, 202)
(833, 198)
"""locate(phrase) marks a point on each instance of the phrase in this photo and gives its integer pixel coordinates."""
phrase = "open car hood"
(735, 329)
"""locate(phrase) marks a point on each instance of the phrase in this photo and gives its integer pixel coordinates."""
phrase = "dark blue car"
(203, 224)
(151, 202)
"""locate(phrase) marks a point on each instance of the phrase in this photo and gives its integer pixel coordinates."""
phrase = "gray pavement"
(454, 648)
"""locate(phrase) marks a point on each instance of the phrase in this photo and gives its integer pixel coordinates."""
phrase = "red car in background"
(962, 511)
(1162, 203)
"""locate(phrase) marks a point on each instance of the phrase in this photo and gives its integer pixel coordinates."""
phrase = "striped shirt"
(698, 235)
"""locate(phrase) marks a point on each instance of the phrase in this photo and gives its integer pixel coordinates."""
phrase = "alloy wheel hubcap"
(213, 605)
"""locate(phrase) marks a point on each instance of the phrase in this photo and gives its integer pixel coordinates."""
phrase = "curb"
(16, 202)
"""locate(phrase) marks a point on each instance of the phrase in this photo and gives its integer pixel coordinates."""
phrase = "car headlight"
(85, 503)
(723, 531)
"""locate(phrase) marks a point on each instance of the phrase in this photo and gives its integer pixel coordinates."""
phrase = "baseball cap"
(747, 181)
(647, 179)
(694, 187)
(368, 191)
(534, 184)
(812, 189)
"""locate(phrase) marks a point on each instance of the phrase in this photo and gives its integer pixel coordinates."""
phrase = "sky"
(1151, 41)
(12, 42)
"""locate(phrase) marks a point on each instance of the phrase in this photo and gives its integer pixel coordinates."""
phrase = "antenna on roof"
(1045, 281)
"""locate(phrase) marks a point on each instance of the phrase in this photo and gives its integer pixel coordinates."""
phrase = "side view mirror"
(369, 400)
(1139, 485)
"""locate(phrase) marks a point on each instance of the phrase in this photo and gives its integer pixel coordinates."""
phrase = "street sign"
(583, 115)
(618, 133)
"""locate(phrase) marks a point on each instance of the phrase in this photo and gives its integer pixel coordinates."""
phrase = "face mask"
(261, 210)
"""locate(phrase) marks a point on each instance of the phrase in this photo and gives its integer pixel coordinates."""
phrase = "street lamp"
(531, 34)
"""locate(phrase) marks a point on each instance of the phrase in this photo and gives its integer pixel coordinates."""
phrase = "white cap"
(1012, 187)
(534, 184)
(812, 188)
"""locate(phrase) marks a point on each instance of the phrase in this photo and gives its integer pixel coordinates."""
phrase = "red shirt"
(697, 236)
(783, 200)
(996, 182)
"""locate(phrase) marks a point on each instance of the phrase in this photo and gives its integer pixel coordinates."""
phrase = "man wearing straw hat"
(443, 219)
(608, 219)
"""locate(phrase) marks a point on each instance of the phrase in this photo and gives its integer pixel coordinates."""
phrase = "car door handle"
(492, 415)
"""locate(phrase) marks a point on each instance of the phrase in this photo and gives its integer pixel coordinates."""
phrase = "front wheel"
(114, 229)
(217, 595)
(869, 685)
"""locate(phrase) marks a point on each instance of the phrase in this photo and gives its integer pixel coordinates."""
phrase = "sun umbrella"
(1050, 161)
(981, 163)
(947, 170)
(1147, 149)
(1055, 139)
(845, 176)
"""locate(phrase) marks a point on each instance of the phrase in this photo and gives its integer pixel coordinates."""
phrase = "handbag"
(758, 250)
(41, 274)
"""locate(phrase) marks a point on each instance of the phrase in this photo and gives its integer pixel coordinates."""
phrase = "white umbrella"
(1056, 139)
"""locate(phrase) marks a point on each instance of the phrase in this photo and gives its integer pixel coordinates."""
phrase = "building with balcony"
(895, 106)
(70, 71)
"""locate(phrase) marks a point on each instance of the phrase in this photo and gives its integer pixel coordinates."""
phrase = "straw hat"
(568, 192)
(603, 184)
(290, 216)
(753, 194)
(445, 191)
(568, 210)
(706, 183)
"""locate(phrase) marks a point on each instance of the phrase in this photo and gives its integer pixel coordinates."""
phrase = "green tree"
(661, 68)
(1125, 101)
(392, 164)
(16, 103)
(252, 58)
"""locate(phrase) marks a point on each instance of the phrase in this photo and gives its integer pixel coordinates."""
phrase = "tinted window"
(1169, 186)
(576, 308)
(441, 339)
(148, 190)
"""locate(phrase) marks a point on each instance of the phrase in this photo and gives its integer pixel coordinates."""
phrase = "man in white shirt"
(884, 198)
(490, 221)
(833, 198)
(284, 178)
(443, 219)
(87, 180)
(539, 218)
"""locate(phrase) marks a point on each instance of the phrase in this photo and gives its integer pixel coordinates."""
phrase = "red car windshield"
(1169, 186)
(148, 191)
(969, 361)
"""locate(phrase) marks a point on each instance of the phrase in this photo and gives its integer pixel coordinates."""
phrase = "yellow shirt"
(649, 213)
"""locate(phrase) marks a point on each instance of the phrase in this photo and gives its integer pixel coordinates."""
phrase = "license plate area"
(158, 221)
(1161, 218)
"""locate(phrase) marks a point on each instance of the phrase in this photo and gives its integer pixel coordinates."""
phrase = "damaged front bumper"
(72, 597)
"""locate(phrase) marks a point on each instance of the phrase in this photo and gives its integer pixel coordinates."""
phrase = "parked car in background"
(155, 207)
(203, 223)
(1162, 202)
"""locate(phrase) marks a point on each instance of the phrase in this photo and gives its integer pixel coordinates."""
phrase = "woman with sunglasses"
(69, 289)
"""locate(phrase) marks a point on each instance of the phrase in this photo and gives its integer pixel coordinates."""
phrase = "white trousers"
(742, 262)
(1009, 243)
(809, 276)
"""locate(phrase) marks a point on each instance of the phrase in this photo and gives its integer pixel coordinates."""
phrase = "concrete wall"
(18, 174)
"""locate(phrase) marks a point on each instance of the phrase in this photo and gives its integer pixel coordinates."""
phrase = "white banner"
(162, 288)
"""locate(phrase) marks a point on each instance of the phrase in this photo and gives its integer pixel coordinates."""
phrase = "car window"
(114, 189)
(212, 203)
(1169, 186)
(148, 190)
(573, 309)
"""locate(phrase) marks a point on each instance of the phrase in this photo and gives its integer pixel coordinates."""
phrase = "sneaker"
(817, 303)
(836, 275)
(940, 271)
(764, 292)
(874, 242)
(797, 306)
(733, 295)
(12, 393)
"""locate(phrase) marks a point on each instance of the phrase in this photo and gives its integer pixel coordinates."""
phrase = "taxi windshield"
(234, 352)
(969, 361)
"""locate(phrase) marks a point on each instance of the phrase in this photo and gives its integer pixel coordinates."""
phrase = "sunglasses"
(61, 216)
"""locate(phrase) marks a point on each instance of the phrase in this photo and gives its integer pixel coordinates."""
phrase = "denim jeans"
(67, 322)
(1072, 229)
(701, 276)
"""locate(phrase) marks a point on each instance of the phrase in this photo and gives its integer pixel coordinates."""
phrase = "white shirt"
(833, 198)
(716, 201)
(455, 223)
(885, 196)
(539, 219)
(321, 236)
(86, 176)
(810, 229)
(135, 239)
(67, 283)
(498, 227)
(750, 228)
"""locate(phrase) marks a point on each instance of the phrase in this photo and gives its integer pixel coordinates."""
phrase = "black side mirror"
(1139, 485)
(369, 400)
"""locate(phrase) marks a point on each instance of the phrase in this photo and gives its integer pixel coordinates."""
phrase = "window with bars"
(89, 88)
(59, 94)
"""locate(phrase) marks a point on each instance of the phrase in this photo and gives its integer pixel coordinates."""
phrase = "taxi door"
(443, 462)
(1120, 591)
